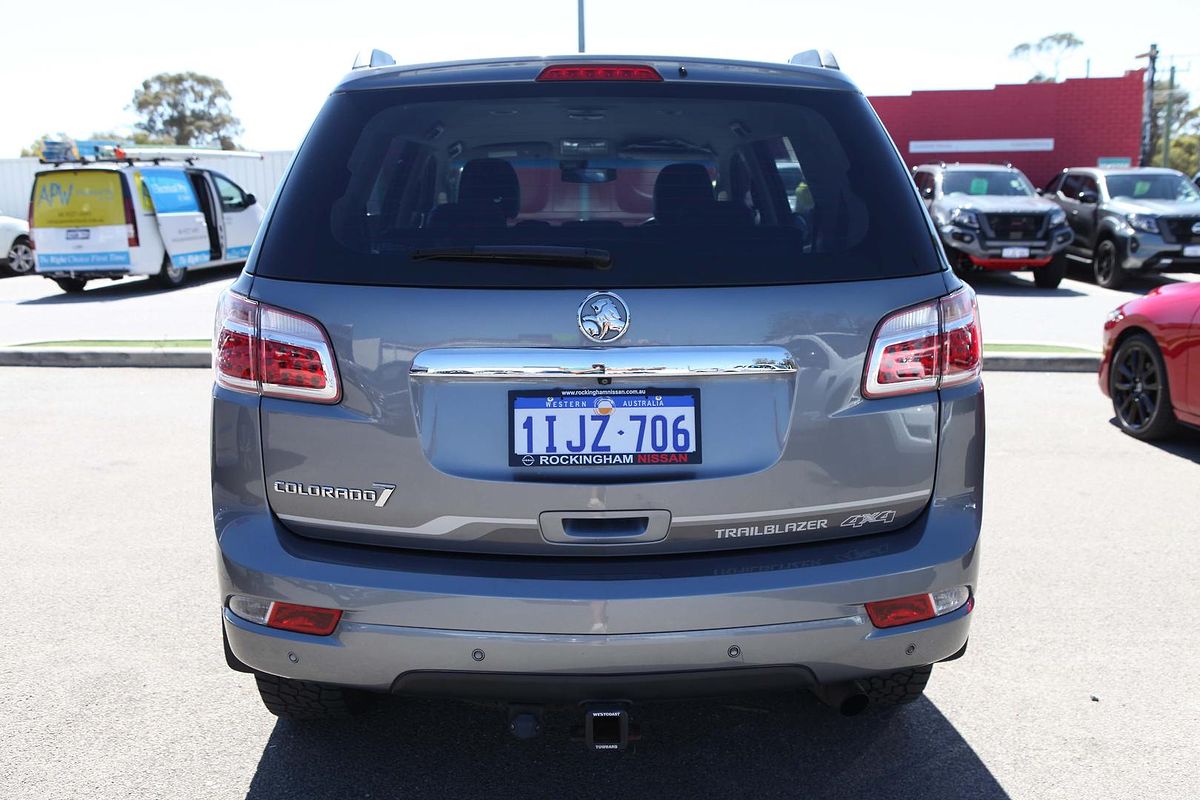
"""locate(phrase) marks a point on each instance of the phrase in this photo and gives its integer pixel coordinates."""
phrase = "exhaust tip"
(847, 698)
(854, 705)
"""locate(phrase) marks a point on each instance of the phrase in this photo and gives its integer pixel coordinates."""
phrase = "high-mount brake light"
(272, 352)
(599, 72)
(928, 346)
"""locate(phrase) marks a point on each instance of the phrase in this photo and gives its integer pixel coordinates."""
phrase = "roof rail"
(815, 58)
(128, 155)
(372, 58)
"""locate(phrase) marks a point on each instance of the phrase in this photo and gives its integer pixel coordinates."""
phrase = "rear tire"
(891, 689)
(1105, 269)
(1051, 275)
(287, 698)
(1137, 383)
(170, 276)
(71, 285)
(20, 256)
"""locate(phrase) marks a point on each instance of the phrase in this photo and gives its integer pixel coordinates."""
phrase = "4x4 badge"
(603, 317)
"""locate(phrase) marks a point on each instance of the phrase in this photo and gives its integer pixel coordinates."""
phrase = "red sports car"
(1151, 364)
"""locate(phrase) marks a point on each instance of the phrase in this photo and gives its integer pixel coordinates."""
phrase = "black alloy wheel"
(1138, 385)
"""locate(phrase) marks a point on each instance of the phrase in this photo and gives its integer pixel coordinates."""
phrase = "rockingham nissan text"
(541, 386)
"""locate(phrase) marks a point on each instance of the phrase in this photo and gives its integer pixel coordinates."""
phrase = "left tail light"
(131, 229)
(272, 352)
(928, 346)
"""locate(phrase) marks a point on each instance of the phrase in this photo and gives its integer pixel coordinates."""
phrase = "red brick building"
(1038, 127)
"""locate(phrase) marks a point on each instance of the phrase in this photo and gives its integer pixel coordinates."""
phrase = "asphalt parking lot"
(32, 309)
(1078, 681)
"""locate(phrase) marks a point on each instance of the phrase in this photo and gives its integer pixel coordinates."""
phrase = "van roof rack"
(129, 155)
(815, 58)
(372, 58)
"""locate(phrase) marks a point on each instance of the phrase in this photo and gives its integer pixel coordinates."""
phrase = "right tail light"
(272, 352)
(929, 346)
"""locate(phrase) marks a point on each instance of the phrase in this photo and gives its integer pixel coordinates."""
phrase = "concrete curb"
(105, 357)
(1041, 362)
(200, 357)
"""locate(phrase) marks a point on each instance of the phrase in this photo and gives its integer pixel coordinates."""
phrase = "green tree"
(188, 108)
(1184, 123)
(1048, 51)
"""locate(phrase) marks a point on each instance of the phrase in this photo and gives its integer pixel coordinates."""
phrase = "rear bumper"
(797, 611)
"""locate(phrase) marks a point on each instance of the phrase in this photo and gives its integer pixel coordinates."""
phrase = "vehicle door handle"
(604, 527)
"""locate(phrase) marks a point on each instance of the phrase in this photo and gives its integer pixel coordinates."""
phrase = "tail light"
(929, 346)
(918, 607)
(286, 616)
(29, 219)
(260, 349)
(599, 72)
(131, 229)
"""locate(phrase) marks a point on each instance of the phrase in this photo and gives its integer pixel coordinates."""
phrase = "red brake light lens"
(265, 350)
(303, 619)
(131, 229)
(932, 345)
(599, 72)
(901, 611)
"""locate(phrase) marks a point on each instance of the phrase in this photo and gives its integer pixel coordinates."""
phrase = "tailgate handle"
(604, 527)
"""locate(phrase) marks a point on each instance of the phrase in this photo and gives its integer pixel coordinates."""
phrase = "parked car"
(1151, 363)
(15, 246)
(138, 214)
(499, 415)
(991, 218)
(1130, 220)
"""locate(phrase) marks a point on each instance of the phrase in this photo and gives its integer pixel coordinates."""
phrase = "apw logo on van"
(55, 192)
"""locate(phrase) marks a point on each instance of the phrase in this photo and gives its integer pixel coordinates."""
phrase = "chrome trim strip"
(441, 526)
(555, 363)
(789, 512)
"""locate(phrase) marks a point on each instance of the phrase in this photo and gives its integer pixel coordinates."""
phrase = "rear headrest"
(681, 189)
(490, 180)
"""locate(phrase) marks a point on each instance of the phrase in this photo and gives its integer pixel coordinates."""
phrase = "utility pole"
(1148, 103)
(581, 26)
(1167, 120)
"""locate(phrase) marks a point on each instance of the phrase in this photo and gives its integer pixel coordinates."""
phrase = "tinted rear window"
(683, 185)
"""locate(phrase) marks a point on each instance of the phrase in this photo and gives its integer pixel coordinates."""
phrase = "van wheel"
(1107, 271)
(1051, 275)
(890, 689)
(20, 257)
(170, 275)
(71, 285)
(287, 698)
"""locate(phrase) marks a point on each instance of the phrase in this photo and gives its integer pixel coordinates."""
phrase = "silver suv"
(538, 386)
(991, 218)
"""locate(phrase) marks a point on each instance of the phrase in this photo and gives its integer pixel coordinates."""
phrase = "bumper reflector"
(917, 607)
(286, 616)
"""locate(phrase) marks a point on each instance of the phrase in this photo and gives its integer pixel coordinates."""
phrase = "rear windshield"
(992, 182)
(83, 198)
(676, 185)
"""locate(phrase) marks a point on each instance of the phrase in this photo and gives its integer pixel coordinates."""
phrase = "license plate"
(1191, 251)
(1015, 252)
(603, 427)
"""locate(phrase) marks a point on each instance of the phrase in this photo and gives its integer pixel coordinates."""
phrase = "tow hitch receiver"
(605, 727)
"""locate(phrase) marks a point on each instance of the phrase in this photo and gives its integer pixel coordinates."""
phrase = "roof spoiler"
(815, 58)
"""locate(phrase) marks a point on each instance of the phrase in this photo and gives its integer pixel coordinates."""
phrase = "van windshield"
(680, 185)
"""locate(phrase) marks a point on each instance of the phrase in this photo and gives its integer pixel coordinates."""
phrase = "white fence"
(260, 177)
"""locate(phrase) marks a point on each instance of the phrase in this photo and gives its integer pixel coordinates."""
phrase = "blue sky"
(74, 68)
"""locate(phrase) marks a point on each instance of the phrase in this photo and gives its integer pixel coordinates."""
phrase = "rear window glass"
(680, 185)
(77, 199)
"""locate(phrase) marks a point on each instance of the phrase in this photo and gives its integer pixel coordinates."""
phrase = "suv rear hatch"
(587, 318)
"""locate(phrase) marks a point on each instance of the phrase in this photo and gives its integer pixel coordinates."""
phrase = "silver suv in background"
(991, 218)
(537, 388)
(1130, 221)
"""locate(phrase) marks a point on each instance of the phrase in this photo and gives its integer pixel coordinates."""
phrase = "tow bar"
(606, 726)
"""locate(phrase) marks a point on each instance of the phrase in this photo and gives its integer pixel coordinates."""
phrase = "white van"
(121, 217)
